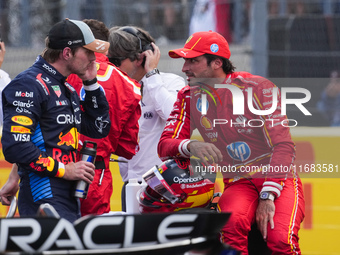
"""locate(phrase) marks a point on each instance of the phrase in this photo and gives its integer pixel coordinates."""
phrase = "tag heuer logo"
(56, 89)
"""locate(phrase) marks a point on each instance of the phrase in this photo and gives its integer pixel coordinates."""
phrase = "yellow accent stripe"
(195, 43)
(106, 72)
(292, 218)
(239, 86)
(180, 120)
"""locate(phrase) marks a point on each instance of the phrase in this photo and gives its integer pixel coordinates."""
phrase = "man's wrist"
(90, 82)
(267, 195)
(152, 72)
(183, 150)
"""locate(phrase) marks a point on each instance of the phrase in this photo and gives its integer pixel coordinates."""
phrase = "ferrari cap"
(203, 43)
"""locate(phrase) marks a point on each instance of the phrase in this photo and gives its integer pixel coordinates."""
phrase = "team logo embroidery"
(23, 120)
(70, 138)
(56, 89)
(214, 48)
(20, 129)
(239, 151)
(199, 105)
(206, 123)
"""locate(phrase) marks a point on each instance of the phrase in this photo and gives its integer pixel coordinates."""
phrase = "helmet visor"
(156, 181)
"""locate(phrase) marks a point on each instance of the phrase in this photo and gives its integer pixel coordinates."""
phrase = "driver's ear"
(140, 59)
(67, 53)
(217, 63)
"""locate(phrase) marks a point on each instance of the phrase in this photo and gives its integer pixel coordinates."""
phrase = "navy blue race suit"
(42, 121)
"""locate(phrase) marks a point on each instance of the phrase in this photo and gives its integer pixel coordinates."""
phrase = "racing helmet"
(177, 184)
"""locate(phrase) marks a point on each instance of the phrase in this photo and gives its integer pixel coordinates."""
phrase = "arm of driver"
(11, 186)
(81, 170)
(207, 152)
(265, 213)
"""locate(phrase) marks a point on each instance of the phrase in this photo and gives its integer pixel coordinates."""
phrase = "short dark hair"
(98, 28)
(227, 65)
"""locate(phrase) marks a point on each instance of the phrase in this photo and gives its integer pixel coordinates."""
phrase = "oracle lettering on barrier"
(36, 235)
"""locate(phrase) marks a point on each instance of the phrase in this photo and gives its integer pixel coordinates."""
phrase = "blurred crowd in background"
(285, 39)
(26, 22)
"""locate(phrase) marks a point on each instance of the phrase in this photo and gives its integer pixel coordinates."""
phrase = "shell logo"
(206, 123)
(23, 120)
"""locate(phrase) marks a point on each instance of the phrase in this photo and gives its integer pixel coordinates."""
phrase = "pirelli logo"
(19, 129)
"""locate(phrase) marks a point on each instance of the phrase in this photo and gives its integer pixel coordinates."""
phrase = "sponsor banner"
(114, 233)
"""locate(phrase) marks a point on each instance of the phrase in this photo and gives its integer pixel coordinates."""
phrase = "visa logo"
(22, 137)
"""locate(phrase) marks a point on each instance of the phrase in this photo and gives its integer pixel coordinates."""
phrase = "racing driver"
(237, 142)
(43, 118)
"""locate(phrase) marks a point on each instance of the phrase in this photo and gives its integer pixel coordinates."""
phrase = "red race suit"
(123, 96)
(258, 155)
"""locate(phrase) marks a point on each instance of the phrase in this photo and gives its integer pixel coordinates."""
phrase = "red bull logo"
(44, 161)
(71, 138)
